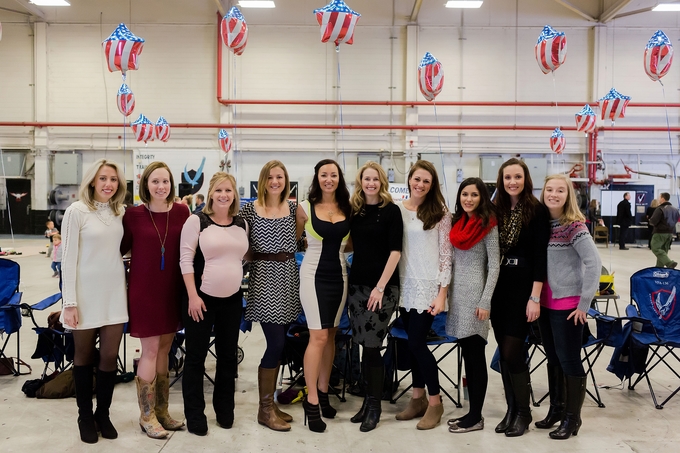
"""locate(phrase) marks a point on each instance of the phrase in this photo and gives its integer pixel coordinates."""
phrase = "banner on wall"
(189, 167)
(399, 191)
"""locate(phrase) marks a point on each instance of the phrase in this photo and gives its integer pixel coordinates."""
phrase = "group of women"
(514, 261)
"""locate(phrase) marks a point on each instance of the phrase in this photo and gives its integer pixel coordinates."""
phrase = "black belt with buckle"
(512, 261)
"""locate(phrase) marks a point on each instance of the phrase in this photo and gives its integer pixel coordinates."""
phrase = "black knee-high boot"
(83, 377)
(521, 388)
(509, 399)
(556, 388)
(359, 416)
(105, 382)
(576, 393)
(374, 390)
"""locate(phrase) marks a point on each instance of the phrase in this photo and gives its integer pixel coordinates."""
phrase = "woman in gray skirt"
(376, 233)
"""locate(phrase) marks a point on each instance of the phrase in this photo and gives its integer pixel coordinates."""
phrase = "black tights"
(85, 342)
(513, 353)
(275, 336)
(372, 358)
(423, 364)
(477, 377)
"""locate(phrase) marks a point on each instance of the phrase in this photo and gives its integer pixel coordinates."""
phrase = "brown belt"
(281, 256)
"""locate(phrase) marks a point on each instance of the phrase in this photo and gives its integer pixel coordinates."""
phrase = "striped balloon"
(337, 22)
(585, 120)
(122, 49)
(224, 140)
(613, 105)
(143, 129)
(125, 100)
(557, 141)
(234, 31)
(430, 76)
(551, 49)
(162, 129)
(658, 55)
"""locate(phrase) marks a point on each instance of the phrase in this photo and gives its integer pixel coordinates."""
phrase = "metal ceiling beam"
(415, 11)
(577, 10)
(220, 8)
(37, 12)
(637, 11)
(609, 14)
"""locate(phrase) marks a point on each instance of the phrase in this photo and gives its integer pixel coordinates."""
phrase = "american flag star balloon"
(162, 129)
(122, 50)
(337, 22)
(430, 76)
(585, 120)
(557, 141)
(125, 100)
(550, 49)
(658, 55)
(143, 129)
(234, 31)
(613, 105)
(224, 140)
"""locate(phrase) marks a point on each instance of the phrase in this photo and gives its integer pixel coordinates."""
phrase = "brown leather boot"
(146, 396)
(266, 414)
(282, 415)
(432, 417)
(162, 400)
(416, 408)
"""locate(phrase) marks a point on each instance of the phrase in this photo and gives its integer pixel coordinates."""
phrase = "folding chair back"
(10, 311)
(655, 292)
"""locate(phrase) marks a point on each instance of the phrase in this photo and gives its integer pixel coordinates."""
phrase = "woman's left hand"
(437, 306)
(481, 314)
(578, 315)
(374, 302)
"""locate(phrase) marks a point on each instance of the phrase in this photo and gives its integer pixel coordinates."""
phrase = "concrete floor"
(629, 422)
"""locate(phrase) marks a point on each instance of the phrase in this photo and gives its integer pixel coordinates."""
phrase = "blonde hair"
(217, 179)
(264, 176)
(570, 211)
(359, 199)
(144, 193)
(86, 191)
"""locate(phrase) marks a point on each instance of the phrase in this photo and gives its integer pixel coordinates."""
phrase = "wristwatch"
(535, 299)
(380, 289)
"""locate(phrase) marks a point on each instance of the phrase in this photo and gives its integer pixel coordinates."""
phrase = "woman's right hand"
(196, 308)
(71, 317)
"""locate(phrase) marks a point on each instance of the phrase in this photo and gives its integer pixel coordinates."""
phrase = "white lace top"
(425, 263)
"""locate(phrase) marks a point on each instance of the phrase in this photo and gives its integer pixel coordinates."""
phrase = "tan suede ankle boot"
(416, 408)
(432, 417)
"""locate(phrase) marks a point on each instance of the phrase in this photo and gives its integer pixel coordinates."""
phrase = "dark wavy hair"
(527, 198)
(341, 193)
(433, 208)
(485, 210)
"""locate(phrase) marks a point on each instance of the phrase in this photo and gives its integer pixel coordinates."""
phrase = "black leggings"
(85, 342)
(275, 336)
(513, 353)
(476, 374)
(423, 364)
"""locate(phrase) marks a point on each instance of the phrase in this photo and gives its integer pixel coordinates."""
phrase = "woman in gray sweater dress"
(476, 263)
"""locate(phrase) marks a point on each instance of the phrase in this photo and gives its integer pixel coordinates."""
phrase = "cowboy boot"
(509, 399)
(576, 393)
(521, 387)
(266, 414)
(556, 388)
(105, 382)
(432, 417)
(162, 401)
(416, 408)
(82, 376)
(146, 396)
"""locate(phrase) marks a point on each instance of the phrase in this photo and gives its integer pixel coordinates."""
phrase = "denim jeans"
(562, 340)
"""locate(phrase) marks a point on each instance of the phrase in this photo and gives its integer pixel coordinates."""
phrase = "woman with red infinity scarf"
(476, 264)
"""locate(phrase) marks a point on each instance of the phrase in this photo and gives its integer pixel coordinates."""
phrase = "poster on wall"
(189, 167)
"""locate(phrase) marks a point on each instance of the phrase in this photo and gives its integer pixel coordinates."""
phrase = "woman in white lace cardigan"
(425, 272)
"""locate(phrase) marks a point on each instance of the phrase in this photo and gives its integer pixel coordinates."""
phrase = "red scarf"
(467, 232)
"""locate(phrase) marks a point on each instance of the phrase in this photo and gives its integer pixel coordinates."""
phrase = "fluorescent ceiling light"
(256, 4)
(667, 7)
(464, 4)
(50, 3)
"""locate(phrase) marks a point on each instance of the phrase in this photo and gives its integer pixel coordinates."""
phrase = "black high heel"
(327, 410)
(312, 412)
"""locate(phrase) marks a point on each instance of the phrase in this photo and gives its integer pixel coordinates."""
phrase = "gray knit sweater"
(574, 264)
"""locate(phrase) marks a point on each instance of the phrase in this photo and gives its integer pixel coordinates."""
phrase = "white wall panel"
(16, 73)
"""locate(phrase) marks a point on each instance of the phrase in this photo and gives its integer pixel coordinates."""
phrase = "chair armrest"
(14, 301)
(47, 302)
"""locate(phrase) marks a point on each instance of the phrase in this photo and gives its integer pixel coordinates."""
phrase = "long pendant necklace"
(167, 222)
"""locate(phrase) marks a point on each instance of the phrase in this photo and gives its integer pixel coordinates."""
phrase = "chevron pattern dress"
(274, 286)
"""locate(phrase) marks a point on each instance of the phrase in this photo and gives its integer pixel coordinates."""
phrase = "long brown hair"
(527, 198)
(341, 193)
(144, 193)
(433, 208)
(264, 177)
(485, 211)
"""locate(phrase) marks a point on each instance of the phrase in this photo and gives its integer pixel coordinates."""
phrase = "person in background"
(624, 218)
(648, 215)
(94, 295)
(200, 203)
(523, 234)
(376, 233)
(425, 274)
(152, 233)
(57, 254)
(663, 220)
(573, 277)
(474, 236)
(49, 233)
(592, 216)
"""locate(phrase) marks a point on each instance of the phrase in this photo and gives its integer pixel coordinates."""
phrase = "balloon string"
(441, 153)
(670, 141)
(342, 124)
(9, 210)
(557, 107)
(234, 114)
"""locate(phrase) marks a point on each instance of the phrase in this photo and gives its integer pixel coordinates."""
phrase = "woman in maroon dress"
(152, 233)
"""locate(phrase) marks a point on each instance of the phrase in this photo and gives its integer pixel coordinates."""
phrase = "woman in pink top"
(212, 247)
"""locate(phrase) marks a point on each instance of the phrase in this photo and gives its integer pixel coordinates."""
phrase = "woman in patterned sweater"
(474, 236)
(573, 275)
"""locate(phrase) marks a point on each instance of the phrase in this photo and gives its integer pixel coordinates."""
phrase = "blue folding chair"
(10, 311)
(655, 322)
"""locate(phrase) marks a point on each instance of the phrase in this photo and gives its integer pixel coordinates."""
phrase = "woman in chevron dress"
(273, 291)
